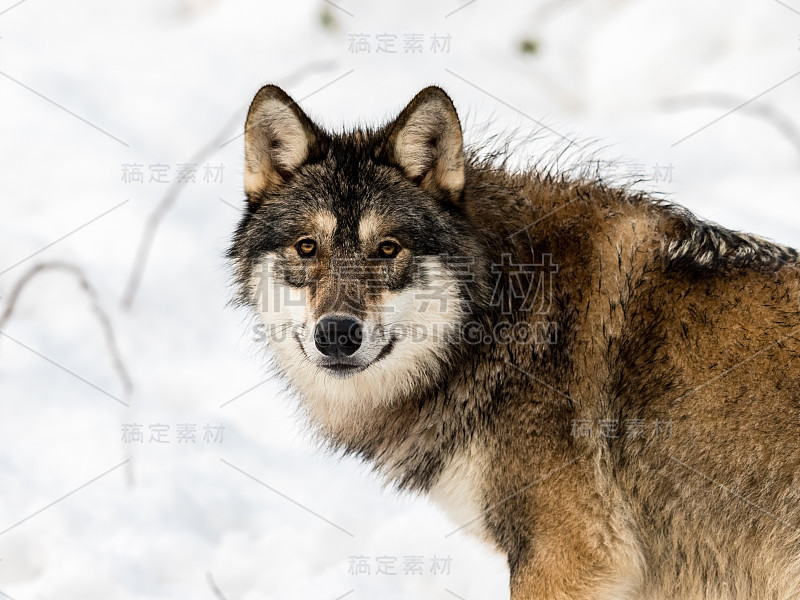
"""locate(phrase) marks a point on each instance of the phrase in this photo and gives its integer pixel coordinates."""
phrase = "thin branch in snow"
(769, 113)
(160, 211)
(97, 309)
(214, 588)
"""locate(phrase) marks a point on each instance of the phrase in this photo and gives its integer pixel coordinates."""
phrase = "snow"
(263, 511)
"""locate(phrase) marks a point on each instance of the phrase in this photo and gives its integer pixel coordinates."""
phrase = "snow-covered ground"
(97, 94)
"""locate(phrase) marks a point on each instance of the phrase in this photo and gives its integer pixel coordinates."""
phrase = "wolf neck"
(409, 439)
(414, 437)
(595, 236)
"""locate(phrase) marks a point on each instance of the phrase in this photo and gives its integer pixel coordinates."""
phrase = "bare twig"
(769, 113)
(160, 211)
(735, 104)
(97, 309)
(176, 187)
(214, 587)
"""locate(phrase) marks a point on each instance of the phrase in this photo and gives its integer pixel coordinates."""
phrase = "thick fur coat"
(601, 386)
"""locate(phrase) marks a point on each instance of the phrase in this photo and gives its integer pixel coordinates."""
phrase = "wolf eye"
(388, 249)
(306, 248)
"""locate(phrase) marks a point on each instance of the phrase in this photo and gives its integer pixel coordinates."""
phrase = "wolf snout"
(338, 336)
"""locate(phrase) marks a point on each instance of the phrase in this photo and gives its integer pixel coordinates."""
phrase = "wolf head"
(355, 249)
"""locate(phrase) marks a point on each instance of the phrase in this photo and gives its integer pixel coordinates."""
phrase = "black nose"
(335, 336)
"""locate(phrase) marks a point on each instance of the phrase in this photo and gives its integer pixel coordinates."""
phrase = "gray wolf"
(598, 384)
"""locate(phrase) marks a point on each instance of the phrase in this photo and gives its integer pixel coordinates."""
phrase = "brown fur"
(660, 317)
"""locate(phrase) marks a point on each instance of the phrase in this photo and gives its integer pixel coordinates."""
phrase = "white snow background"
(90, 88)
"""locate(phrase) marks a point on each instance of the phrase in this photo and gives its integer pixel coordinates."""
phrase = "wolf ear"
(278, 138)
(425, 141)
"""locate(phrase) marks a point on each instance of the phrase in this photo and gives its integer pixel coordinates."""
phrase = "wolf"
(598, 384)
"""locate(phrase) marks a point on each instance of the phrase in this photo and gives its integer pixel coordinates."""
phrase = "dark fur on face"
(349, 176)
(660, 317)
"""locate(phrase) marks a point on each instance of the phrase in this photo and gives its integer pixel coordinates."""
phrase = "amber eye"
(388, 249)
(306, 248)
